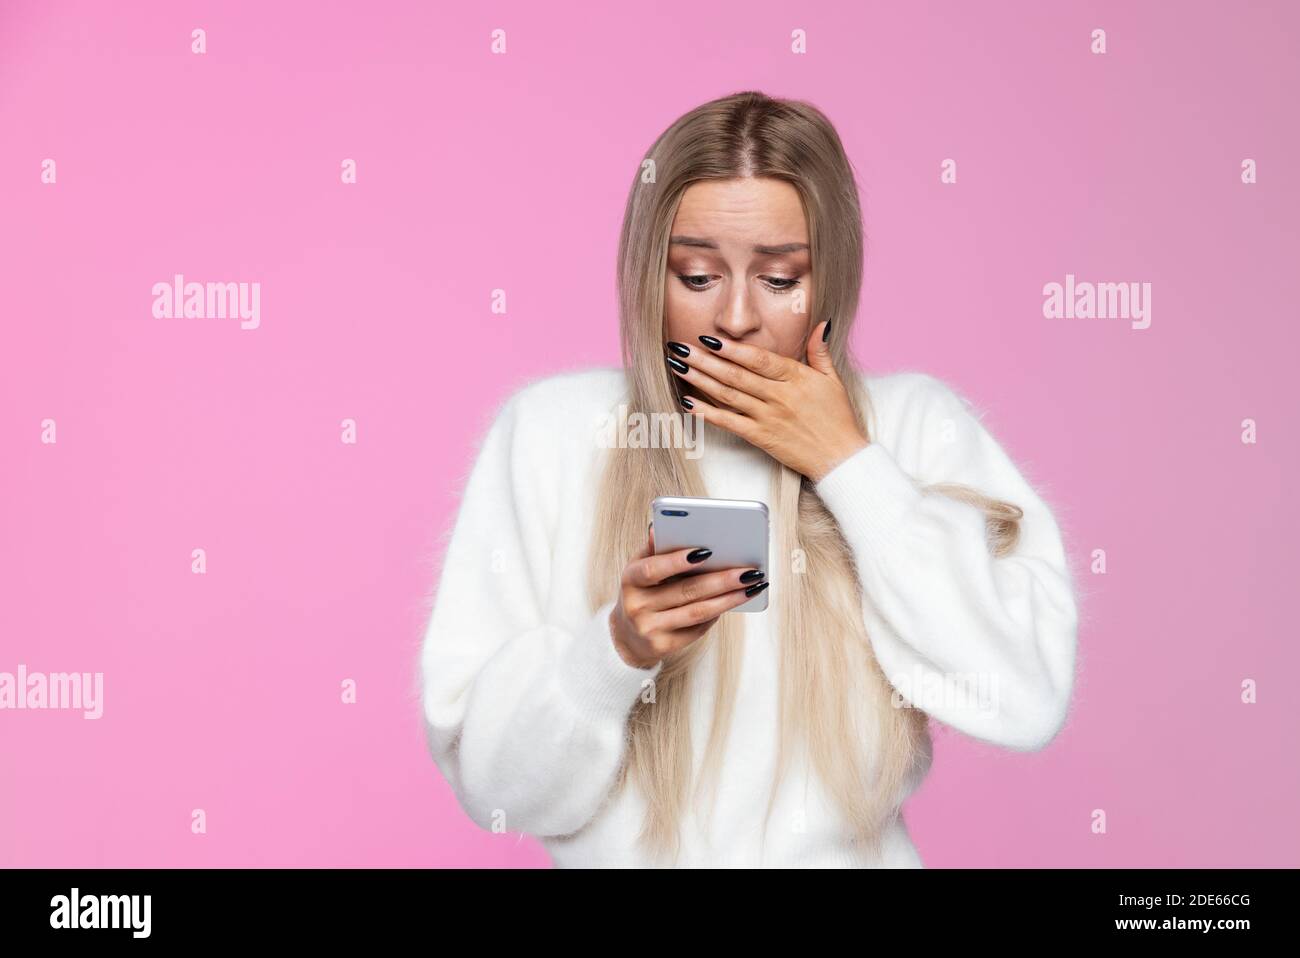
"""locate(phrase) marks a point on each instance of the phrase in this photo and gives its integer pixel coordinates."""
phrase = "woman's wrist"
(838, 455)
(623, 651)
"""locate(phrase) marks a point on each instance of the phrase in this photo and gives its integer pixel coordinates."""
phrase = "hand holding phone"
(734, 530)
(673, 591)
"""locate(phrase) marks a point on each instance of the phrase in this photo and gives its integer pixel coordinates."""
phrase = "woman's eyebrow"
(709, 244)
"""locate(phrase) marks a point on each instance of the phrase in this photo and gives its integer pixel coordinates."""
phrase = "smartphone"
(735, 529)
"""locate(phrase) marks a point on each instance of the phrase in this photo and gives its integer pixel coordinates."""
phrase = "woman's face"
(738, 260)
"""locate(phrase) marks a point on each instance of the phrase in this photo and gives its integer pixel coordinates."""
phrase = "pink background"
(479, 172)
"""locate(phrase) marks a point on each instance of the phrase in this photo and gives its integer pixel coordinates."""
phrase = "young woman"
(581, 688)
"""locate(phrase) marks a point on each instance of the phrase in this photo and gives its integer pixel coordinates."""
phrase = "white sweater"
(526, 699)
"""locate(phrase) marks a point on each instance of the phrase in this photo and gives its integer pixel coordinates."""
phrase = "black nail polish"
(826, 333)
(756, 589)
(711, 342)
(753, 575)
(699, 555)
(678, 365)
(680, 349)
(687, 403)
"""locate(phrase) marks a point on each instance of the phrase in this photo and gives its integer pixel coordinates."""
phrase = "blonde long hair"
(829, 675)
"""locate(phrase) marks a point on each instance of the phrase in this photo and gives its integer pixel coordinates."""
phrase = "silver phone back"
(735, 529)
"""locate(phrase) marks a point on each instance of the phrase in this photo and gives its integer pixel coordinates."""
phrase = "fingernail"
(756, 589)
(678, 365)
(753, 575)
(711, 342)
(687, 403)
(826, 333)
(680, 349)
(699, 555)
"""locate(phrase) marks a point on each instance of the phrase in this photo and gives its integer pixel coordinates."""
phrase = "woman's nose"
(739, 319)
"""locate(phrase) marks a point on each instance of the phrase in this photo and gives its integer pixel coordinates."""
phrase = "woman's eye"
(700, 281)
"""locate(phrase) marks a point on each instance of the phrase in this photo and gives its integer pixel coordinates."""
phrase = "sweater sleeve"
(985, 645)
(525, 716)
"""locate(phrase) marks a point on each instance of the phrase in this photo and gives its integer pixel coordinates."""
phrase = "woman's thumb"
(819, 349)
(649, 548)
